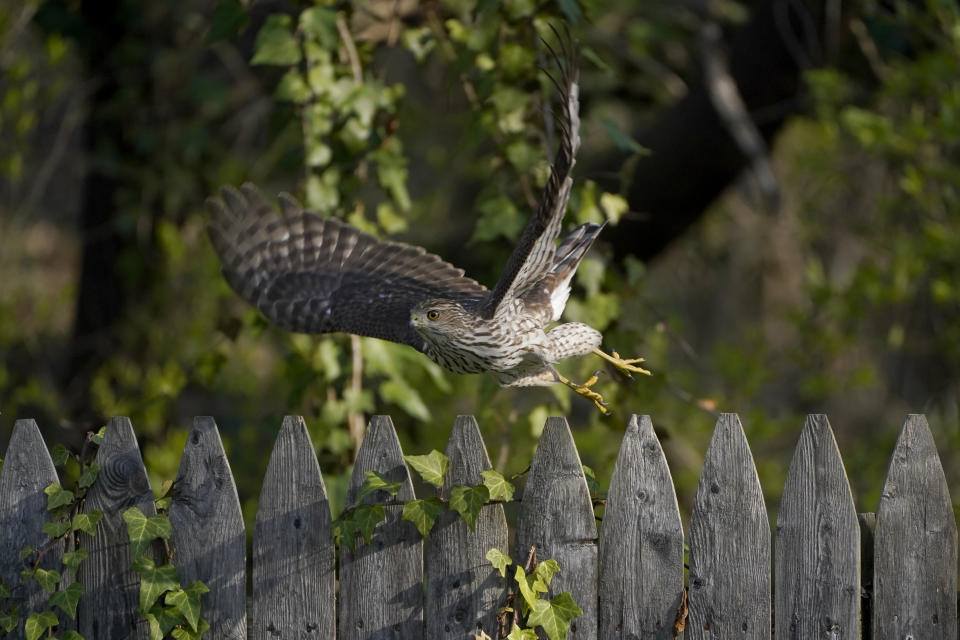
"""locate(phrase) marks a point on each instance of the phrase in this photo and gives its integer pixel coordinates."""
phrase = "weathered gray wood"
(27, 471)
(293, 553)
(641, 542)
(463, 590)
(729, 592)
(818, 543)
(868, 524)
(108, 608)
(915, 544)
(208, 541)
(381, 584)
(556, 515)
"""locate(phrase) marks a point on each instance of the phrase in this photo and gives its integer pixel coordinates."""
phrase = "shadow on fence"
(629, 578)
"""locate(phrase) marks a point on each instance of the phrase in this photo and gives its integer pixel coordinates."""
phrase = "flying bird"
(313, 274)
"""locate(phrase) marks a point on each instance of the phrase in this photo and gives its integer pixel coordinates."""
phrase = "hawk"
(313, 274)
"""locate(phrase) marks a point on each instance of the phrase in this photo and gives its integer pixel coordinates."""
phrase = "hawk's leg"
(585, 391)
(626, 366)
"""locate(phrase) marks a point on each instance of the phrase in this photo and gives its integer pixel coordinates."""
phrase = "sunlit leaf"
(432, 467)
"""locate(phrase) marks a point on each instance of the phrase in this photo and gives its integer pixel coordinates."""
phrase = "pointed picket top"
(209, 542)
(27, 471)
(818, 542)
(915, 543)
(729, 594)
(464, 591)
(109, 606)
(381, 590)
(641, 542)
(556, 516)
(293, 552)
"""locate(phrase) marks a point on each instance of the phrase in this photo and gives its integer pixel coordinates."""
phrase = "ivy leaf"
(375, 482)
(68, 599)
(497, 485)
(60, 455)
(162, 620)
(545, 571)
(10, 618)
(57, 496)
(529, 586)
(499, 560)
(37, 624)
(522, 634)
(154, 581)
(422, 513)
(87, 522)
(143, 530)
(47, 579)
(293, 87)
(431, 467)
(367, 517)
(55, 529)
(25, 552)
(229, 19)
(467, 501)
(72, 635)
(97, 438)
(275, 43)
(72, 559)
(320, 23)
(187, 601)
(89, 475)
(621, 139)
(555, 616)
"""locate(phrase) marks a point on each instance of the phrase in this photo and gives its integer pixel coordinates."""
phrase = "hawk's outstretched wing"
(533, 256)
(314, 274)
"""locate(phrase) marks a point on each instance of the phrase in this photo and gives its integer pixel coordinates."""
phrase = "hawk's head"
(441, 321)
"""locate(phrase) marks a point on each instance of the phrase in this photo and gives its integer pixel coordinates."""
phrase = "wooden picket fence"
(892, 576)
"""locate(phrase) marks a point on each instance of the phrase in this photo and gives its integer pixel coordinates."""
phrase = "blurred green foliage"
(430, 126)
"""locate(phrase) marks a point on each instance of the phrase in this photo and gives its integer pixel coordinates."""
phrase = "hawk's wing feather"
(313, 274)
(533, 256)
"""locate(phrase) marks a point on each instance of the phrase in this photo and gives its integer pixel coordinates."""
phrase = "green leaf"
(55, 529)
(275, 42)
(375, 482)
(431, 467)
(422, 513)
(47, 579)
(522, 634)
(498, 486)
(143, 530)
(229, 19)
(499, 560)
(320, 24)
(89, 475)
(555, 616)
(467, 501)
(38, 623)
(57, 496)
(72, 635)
(97, 438)
(154, 581)
(72, 559)
(87, 522)
(367, 517)
(10, 618)
(162, 620)
(4, 590)
(25, 552)
(293, 87)
(613, 206)
(60, 455)
(398, 391)
(187, 601)
(621, 139)
(67, 599)
(529, 586)
(545, 571)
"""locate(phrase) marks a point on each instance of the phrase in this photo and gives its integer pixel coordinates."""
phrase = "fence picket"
(293, 553)
(818, 543)
(915, 543)
(729, 543)
(463, 590)
(381, 584)
(27, 471)
(556, 515)
(108, 608)
(641, 542)
(208, 541)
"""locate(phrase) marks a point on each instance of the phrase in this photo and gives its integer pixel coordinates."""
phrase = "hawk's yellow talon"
(588, 393)
(626, 366)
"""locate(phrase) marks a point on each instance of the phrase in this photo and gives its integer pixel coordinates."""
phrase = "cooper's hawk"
(313, 274)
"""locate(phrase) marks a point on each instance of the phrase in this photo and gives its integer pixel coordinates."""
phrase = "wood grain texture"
(729, 592)
(556, 515)
(817, 587)
(293, 552)
(208, 541)
(27, 471)
(463, 591)
(915, 543)
(641, 542)
(381, 584)
(108, 608)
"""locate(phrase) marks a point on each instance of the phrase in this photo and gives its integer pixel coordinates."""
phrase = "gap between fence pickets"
(637, 570)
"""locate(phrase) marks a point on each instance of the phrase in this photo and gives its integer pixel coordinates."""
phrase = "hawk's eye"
(433, 314)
